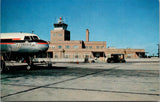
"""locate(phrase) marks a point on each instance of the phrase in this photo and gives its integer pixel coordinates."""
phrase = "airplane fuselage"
(22, 43)
(22, 46)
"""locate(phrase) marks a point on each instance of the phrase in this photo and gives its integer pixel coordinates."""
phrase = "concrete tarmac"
(83, 82)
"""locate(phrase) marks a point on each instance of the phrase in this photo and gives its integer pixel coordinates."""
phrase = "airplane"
(20, 46)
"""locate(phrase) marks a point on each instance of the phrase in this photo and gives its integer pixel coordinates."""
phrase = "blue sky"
(122, 23)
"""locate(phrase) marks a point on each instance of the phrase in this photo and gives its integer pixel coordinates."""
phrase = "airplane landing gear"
(3, 68)
(29, 62)
(28, 67)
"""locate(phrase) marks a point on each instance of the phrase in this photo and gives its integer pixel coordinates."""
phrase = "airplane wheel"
(28, 67)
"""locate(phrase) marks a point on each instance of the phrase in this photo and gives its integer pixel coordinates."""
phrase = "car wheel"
(112, 61)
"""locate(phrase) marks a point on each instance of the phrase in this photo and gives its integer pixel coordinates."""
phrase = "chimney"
(87, 35)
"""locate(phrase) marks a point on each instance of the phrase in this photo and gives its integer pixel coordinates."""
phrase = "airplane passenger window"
(27, 38)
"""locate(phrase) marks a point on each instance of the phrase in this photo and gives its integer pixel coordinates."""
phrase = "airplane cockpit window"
(35, 37)
(27, 38)
(32, 37)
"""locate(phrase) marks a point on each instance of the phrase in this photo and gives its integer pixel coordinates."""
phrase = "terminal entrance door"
(49, 54)
(45, 55)
(140, 54)
(98, 54)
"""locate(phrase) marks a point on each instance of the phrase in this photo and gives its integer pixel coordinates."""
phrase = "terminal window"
(102, 47)
(75, 46)
(66, 56)
(97, 47)
(51, 47)
(76, 55)
(67, 46)
(54, 34)
(55, 56)
(59, 47)
(59, 34)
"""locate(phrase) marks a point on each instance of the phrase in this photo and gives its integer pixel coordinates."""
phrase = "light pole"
(158, 50)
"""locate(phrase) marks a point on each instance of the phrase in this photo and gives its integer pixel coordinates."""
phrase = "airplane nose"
(43, 46)
(46, 46)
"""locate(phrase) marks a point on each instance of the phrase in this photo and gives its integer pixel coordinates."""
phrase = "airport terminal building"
(60, 46)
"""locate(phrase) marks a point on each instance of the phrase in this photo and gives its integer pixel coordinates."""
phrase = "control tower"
(60, 32)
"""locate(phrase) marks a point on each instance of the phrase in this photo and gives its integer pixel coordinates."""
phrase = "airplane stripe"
(16, 39)
(6, 43)
(20, 41)
(10, 38)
